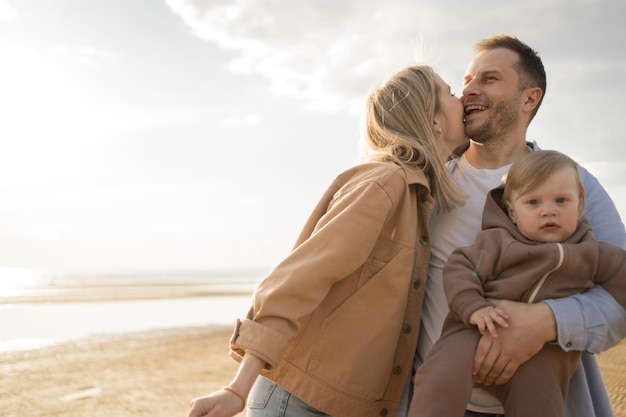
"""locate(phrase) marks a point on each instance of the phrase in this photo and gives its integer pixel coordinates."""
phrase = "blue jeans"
(268, 399)
(469, 413)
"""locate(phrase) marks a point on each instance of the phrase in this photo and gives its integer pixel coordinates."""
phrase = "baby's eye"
(533, 202)
(560, 200)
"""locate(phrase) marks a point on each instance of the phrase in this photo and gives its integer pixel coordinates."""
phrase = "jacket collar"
(416, 176)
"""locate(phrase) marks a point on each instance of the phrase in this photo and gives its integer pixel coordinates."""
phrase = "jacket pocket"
(370, 268)
(357, 342)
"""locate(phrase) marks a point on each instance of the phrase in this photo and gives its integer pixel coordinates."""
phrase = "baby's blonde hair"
(533, 169)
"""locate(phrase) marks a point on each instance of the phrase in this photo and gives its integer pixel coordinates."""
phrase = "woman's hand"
(220, 403)
(231, 399)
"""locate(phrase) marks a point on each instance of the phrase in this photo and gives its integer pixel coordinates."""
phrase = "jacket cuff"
(262, 341)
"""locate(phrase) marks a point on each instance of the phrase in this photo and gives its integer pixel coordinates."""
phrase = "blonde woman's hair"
(533, 169)
(399, 127)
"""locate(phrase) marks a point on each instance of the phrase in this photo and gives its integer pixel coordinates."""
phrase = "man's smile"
(474, 108)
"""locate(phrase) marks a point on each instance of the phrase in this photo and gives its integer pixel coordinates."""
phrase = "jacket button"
(406, 329)
(423, 240)
(397, 370)
(384, 412)
(416, 284)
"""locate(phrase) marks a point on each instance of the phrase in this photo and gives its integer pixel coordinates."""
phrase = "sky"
(179, 135)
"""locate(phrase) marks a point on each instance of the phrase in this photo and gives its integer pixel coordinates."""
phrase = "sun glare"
(12, 279)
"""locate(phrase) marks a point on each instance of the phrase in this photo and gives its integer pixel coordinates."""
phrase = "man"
(503, 89)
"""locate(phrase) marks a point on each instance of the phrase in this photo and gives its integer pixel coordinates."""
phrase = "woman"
(333, 328)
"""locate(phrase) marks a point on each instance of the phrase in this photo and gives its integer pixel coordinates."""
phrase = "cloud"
(331, 53)
(240, 121)
(85, 55)
(325, 52)
(8, 12)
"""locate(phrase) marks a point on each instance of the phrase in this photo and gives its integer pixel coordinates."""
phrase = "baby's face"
(550, 212)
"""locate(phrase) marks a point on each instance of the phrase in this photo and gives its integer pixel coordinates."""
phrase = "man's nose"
(468, 90)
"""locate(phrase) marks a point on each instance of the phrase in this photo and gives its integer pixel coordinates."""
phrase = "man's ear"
(533, 97)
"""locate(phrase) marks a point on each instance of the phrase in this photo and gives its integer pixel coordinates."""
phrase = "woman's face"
(449, 120)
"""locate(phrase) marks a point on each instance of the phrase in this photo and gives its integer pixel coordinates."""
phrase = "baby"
(535, 244)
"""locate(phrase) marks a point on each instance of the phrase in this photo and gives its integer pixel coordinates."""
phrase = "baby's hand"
(486, 318)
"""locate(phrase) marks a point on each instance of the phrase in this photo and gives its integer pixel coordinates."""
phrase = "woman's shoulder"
(384, 173)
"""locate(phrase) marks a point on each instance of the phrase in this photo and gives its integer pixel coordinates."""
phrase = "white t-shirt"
(449, 231)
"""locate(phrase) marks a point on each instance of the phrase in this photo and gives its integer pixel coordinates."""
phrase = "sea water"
(32, 325)
(25, 325)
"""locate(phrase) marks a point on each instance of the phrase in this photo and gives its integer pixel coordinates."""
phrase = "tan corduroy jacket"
(337, 321)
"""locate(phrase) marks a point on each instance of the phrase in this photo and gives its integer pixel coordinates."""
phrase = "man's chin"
(473, 135)
(476, 135)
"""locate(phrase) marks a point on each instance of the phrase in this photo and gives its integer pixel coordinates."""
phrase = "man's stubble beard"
(504, 117)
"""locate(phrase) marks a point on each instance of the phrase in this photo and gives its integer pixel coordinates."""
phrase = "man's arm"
(592, 322)
(601, 211)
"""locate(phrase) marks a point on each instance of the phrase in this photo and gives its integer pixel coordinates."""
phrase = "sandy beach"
(153, 373)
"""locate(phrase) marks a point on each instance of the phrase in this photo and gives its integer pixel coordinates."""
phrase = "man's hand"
(530, 327)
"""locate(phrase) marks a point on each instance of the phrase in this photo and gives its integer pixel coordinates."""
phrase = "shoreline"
(26, 324)
(154, 373)
(122, 292)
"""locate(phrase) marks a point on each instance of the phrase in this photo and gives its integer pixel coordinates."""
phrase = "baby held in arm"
(535, 244)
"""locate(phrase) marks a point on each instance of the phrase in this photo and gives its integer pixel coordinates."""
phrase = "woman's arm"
(231, 399)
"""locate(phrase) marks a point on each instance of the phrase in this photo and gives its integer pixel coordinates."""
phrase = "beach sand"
(154, 373)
